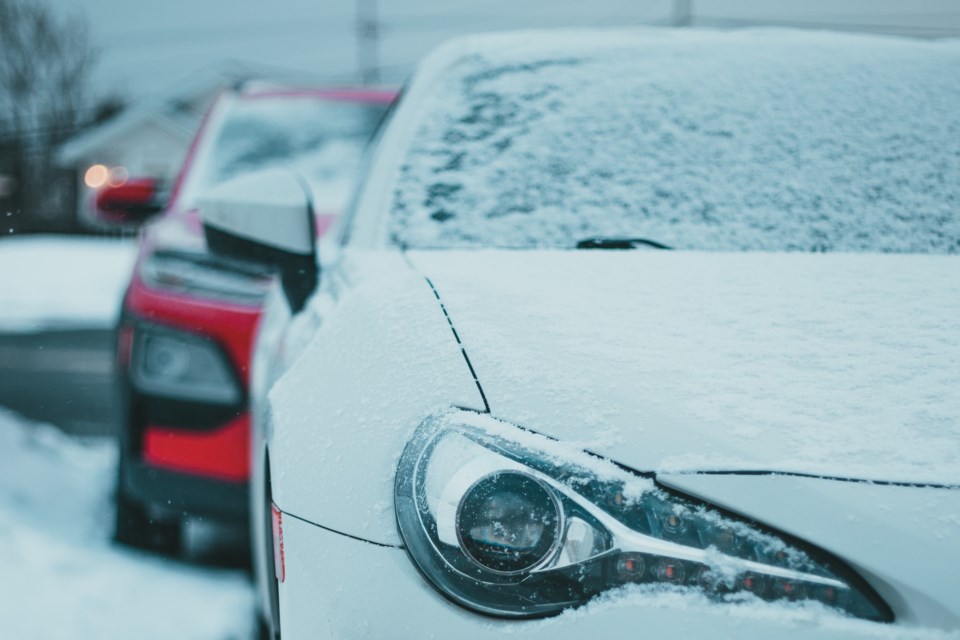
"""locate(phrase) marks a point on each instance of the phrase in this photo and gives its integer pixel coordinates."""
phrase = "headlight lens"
(202, 275)
(508, 522)
(513, 524)
(178, 365)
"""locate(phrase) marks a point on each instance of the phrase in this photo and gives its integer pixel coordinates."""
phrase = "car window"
(321, 139)
(345, 222)
(747, 144)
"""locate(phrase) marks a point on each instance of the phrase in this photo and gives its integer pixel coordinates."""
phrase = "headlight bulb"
(166, 357)
(508, 522)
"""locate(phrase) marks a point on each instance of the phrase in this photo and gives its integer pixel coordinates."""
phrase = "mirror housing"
(265, 217)
(129, 204)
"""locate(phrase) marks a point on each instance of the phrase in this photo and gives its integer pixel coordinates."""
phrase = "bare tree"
(45, 64)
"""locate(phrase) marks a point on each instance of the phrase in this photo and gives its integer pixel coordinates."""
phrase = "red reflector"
(223, 453)
(278, 562)
(124, 346)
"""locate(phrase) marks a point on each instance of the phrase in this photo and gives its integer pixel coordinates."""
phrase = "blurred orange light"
(96, 176)
(118, 177)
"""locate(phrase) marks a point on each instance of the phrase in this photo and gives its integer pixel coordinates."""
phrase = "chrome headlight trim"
(616, 528)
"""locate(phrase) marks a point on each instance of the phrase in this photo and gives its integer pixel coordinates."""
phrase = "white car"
(507, 409)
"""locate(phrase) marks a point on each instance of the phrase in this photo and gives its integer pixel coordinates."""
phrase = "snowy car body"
(473, 423)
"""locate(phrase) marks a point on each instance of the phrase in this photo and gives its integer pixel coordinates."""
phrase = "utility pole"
(368, 41)
(682, 13)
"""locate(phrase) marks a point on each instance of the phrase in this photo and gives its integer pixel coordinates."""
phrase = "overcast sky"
(147, 45)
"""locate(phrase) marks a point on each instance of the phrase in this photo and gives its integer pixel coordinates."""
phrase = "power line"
(409, 23)
(166, 37)
(914, 14)
(34, 133)
(813, 24)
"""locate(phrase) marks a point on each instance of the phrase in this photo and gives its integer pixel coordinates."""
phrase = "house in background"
(147, 140)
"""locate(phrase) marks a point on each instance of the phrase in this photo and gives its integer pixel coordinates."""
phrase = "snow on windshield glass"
(320, 139)
(762, 140)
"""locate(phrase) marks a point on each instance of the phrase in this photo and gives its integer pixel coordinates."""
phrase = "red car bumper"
(190, 454)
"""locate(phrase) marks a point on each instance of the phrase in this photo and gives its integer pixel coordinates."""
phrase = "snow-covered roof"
(759, 139)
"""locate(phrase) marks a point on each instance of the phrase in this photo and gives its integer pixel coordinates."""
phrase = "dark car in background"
(188, 319)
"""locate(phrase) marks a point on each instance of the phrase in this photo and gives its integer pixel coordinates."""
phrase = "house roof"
(174, 110)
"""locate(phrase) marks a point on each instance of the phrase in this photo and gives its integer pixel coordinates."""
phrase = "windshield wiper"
(620, 243)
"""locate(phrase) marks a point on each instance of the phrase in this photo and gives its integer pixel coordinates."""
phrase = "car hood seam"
(346, 535)
(456, 336)
(815, 476)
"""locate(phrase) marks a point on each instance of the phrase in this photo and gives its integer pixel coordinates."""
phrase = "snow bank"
(770, 139)
(63, 579)
(49, 282)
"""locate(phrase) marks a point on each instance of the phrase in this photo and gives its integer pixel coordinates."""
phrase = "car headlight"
(203, 275)
(178, 365)
(513, 524)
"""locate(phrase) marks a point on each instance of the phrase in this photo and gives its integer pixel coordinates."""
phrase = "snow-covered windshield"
(321, 139)
(763, 140)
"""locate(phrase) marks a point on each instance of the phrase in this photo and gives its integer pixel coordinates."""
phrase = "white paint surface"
(836, 364)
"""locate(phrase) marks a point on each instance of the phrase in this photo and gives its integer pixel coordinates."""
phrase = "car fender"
(383, 358)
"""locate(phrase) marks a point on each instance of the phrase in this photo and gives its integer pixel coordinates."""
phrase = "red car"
(188, 318)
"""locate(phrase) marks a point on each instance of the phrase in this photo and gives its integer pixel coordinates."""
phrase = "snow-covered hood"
(835, 365)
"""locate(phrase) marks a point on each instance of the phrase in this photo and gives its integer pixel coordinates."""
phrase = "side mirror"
(265, 217)
(129, 204)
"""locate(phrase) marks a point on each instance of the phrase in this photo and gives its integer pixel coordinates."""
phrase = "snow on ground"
(51, 282)
(62, 578)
